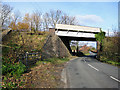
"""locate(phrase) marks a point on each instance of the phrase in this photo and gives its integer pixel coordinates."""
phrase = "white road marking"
(84, 61)
(115, 79)
(93, 67)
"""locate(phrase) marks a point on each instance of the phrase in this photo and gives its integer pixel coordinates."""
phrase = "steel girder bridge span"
(77, 33)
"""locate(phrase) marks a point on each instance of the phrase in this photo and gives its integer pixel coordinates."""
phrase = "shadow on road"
(91, 56)
(80, 54)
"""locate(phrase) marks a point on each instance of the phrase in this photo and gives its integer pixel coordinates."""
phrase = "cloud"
(89, 19)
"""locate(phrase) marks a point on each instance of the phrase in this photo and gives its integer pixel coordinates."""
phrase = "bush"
(111, 50)
(13, 69)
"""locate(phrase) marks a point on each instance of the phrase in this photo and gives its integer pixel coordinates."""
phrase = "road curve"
(87, 72)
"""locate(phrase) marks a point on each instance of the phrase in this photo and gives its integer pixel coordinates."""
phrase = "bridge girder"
(78, 38)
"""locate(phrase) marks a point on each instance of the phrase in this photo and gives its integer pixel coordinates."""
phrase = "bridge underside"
(66, 40)
(77, 38)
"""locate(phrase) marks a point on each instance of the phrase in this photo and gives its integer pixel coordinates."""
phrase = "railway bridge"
(74, 32)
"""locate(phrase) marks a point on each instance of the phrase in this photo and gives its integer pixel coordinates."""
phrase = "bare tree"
(36, 16)
(72, 20)
(0, 16)
(55, 17)
(14, 20)
(68, 20)
(46, 21)
(5, 14)
(16, 16)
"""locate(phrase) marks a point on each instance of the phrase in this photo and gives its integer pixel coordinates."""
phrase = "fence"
(30, 59)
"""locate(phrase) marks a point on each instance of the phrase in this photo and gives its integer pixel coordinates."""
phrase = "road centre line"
(93, 67)
(84, 61)
(115, 79)
(110, 76)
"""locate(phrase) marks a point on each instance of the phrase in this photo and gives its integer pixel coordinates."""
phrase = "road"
(87, 72)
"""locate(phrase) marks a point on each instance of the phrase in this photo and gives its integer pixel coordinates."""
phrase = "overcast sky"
(95, 14)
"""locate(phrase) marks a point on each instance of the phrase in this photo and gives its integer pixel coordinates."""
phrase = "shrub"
(111, 46)
(13, 69)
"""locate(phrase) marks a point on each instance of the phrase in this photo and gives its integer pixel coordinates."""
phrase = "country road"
(87, 72)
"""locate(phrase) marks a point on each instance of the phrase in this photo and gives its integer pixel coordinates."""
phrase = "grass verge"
(106, 60)
(45, 74)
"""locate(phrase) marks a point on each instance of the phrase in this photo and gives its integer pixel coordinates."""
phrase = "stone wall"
(54, 47)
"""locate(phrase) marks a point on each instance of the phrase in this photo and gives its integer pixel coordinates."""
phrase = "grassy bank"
(110, 50)
(44, 74)
(40, 74)
(14, 46)
(109, 61)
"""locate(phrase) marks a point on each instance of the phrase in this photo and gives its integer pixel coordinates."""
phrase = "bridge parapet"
(75, 31)
(77, 28)
(75, 34)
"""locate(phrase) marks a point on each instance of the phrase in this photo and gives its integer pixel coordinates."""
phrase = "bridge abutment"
(66, 41)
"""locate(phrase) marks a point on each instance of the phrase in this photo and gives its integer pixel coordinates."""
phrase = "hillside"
(16, 44)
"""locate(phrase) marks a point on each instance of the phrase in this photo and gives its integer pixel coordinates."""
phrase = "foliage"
(23, 26)
(12, 69)
(73, 47)
(27, 18)
(13, 26)
(111, 53)
(93, 48)
(11, 51)
(38, 21)
(5, 50)
(87, 53)
(106, 60)
(100, 36)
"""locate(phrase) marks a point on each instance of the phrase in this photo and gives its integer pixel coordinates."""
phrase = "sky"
(95, 14)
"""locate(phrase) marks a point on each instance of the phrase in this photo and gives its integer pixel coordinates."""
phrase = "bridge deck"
(76, 31)
(77, 28)
(74, 34)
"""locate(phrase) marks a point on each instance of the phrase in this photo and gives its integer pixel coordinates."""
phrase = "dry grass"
(44, 76)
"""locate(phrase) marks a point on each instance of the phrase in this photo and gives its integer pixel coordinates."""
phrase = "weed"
(13, 69)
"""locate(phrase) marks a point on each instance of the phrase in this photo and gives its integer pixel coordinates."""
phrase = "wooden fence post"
(26, 58)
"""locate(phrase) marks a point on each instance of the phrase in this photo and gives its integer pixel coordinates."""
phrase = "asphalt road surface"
(87, 72)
